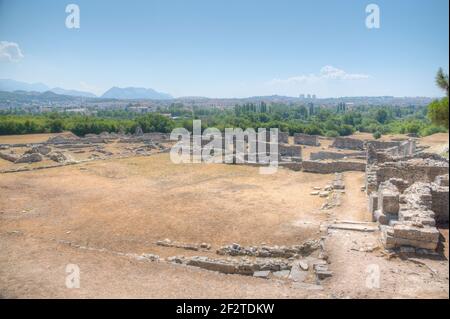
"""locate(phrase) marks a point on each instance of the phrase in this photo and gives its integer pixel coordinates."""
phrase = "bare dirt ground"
(437, 143)
(94, 214)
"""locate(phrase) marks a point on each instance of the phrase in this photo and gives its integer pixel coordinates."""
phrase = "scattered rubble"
(271, 251)
(29, 158)
(195, 247)
(408, 194)
(60, 157)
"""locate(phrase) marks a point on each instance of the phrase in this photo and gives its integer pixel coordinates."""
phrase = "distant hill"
(8, 85)
(72, 92)
(133, 93)
(24, 98)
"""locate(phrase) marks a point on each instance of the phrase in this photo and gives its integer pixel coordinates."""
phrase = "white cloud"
(327, 72)
(10, 51)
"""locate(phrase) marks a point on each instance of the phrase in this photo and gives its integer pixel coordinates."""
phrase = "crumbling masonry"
(408, 195)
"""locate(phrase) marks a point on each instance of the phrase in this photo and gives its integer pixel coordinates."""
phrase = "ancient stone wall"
(382, 145)
(409, 172)
(332, 167)
(440, 204)
(283, 137)
(348, 143)
(416, 224)
(404, 149)
(324, 155)
(290, 150)
(305, 139)
(9, 157)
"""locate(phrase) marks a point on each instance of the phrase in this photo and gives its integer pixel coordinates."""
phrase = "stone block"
(388, 201)
(373, 203)
(430, 234)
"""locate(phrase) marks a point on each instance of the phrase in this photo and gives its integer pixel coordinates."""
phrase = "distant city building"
(314, 96)
(78, 110)
(302, 96)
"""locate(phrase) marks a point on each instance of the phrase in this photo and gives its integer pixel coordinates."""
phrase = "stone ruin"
(59, 148)
(298, 263)
(305, 139)
(348, 143)
(326, 155)
(408, 196)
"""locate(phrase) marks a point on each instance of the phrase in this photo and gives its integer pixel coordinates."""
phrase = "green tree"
(442, 80)
(438, 112)
(438, 109)
(381, 116)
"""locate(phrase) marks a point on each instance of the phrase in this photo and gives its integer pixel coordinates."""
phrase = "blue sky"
(229, 48)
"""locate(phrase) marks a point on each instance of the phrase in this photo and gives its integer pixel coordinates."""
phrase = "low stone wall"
(348, 143)
(293, 166)
(404, 149)
(409, 173)
(382, 145)
(440, 199)
(9, 157)
(283, 137)
(332, 167)
(324, 155)
(305, 139)
(234, 266)
(290, 150)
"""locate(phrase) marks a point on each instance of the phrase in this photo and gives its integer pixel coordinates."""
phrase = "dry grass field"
(115, 208)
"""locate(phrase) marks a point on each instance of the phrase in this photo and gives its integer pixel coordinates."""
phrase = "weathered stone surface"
(303, 265)
(305, 139)
(391, 242)
(442, 180)
(270, 251)
(242, 266)
(290, 150)
(416, 233)
(283, 137)
(319, 167)
(60, 157)
(373, 204)
(348, 143)
(440, 203)
(388, 199)
(338, 184)
(324, 155)
(380, 217)
(29, 158)
(9, 157)
(40, 149)
(168, 243)
(417, 177)
(354, 227)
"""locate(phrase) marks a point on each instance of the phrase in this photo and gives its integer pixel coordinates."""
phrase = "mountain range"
(135, 93)
(129, 93)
